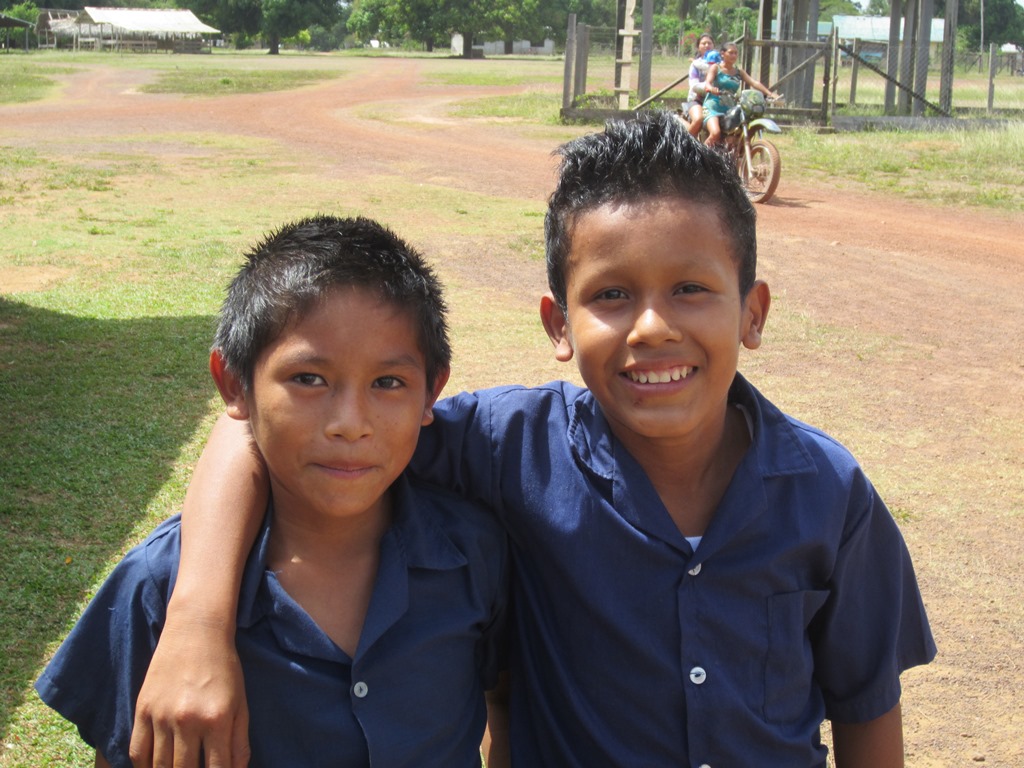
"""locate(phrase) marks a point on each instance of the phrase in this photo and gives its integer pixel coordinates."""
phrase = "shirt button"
(360, 689)
(693, 572)
(698, 675)
(704, 765)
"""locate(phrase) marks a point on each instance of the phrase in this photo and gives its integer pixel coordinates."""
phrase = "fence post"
(892, 55)
(582, 57)
(906, 55)
(828, 110)
(991, 75)
(854, 69)
(948, 56)
(922, 44)
(643, 84)
(570, 58)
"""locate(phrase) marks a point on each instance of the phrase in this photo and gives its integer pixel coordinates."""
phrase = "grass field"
(105, 396)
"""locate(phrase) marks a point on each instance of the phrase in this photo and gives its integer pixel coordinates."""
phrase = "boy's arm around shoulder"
(453, 449)
(194, 694)
(479, 443)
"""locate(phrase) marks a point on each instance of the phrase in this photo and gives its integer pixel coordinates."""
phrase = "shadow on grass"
(93, 416)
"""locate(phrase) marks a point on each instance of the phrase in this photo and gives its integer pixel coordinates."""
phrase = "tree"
(515, 20)
(284, 18)
(425, 21)
(275, 19)
(26, 11)
(1004, 23)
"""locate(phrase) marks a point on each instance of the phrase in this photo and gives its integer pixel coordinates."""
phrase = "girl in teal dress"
(722, 86)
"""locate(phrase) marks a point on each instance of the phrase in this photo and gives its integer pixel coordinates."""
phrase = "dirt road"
(939, 291)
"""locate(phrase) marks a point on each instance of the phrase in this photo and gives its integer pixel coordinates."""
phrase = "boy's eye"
(309, 379)
(389, 382)
(611, 294)
(690, 288)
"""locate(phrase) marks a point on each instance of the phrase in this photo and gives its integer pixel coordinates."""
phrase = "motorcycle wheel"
(762, 178)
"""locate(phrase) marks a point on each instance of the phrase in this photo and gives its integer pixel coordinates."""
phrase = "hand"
(193, 699)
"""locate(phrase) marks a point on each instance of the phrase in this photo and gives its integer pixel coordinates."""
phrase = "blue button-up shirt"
(632, 649)
(413, 694)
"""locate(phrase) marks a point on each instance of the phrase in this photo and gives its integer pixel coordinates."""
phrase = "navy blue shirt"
(630, 648)
(412, 696)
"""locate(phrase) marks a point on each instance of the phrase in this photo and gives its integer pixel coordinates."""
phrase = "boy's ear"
(433, 394)
(230, 387)
(557, 326)
(755, 312)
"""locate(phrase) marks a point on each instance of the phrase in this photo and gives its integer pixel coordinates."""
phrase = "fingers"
(180, 742)
(140, 749)
(240, 751)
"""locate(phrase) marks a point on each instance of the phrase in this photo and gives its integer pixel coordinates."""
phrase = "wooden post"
(803, 88)
(923, 46)
(907, 55)
(570, 59)
(854, 69)
(643, 85)
(892, 54)
(828, 94)
(626, 34)
(582, 57)
(991, 76)
(764, 32)
(948, 56)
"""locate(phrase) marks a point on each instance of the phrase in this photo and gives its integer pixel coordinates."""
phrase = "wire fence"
(824, 79)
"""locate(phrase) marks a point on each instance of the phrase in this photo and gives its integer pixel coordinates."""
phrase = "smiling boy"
(698, 579)
(371, 606)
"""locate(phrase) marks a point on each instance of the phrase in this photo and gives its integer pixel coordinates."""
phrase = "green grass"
(23, 80)
(529, 107)
(969, 168)
(223, 82)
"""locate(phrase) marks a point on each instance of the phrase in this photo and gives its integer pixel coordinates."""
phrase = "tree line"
(425, 24)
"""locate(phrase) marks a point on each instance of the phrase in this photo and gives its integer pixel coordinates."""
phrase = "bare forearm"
(877, 743)
(193, 698)
(222, 512)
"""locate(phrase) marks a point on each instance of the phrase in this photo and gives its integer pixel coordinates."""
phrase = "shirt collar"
(779, 453)
(415, 530)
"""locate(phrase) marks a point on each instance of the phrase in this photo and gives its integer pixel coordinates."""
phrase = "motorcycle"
(757, 160)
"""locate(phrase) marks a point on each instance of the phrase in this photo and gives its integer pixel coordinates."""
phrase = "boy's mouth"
(660, 377)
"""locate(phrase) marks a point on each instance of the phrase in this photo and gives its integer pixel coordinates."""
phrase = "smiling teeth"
(659, 377)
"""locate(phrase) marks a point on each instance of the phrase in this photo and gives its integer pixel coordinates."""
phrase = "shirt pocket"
(789, 665)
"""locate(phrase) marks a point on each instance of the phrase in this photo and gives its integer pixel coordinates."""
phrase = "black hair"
(650, 156)
(293, 268)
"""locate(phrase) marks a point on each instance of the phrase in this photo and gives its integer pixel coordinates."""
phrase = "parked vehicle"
(757, 160)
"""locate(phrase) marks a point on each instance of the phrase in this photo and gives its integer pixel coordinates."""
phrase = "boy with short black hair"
(372, 606)
(698, 579)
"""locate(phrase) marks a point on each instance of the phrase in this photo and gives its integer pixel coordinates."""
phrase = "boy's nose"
(653, 326)
(348, 417)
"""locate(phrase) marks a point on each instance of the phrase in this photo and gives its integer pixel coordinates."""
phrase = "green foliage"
(666, 29)
(1004, 23)
(830, 8)
(328, 38)
(26, 11)
(284, 18)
